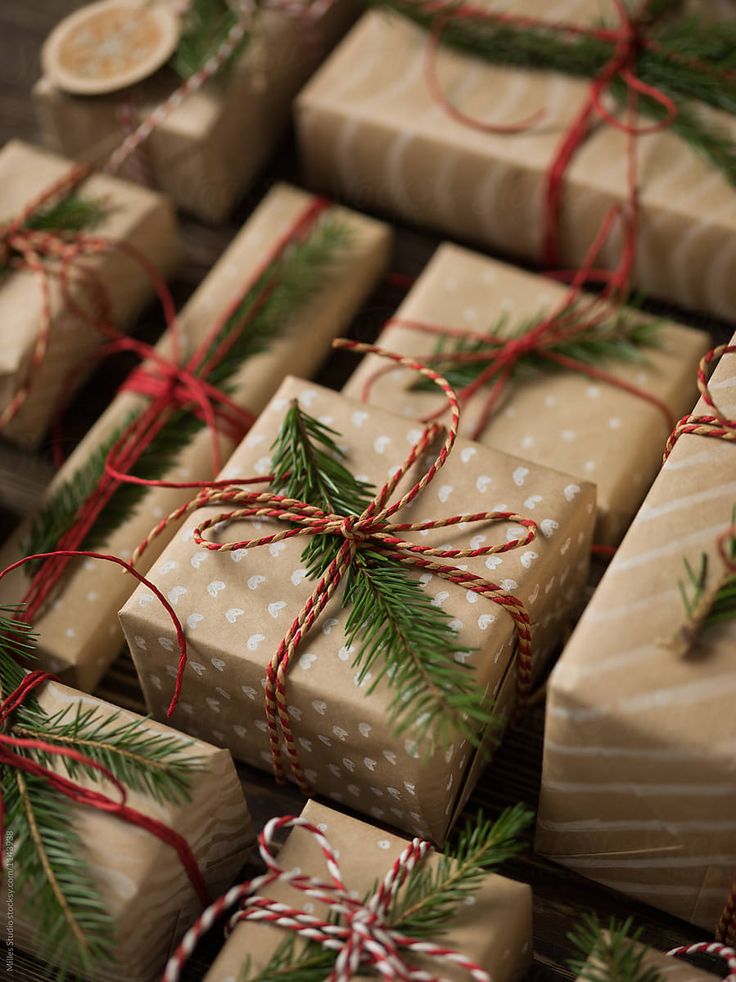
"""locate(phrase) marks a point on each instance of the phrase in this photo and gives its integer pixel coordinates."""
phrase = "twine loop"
(715, 424)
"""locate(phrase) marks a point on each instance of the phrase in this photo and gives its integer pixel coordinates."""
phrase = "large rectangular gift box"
(129, 215)
(78, 631)
(207, 150)
(560, 417)
(140, 879)
(494, 931)
(639, 777)
(238, 606)
(369, 129)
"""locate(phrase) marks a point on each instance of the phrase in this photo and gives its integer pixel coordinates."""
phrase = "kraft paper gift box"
(557, 417)
(638, 783)
(207, 151)
(141, 881)
(131, 215)
(236, 609)
(369, 130)
(495, 930)
(78, 631)
(669, 969)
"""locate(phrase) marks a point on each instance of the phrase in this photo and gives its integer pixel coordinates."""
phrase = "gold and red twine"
(373, 530)
(358, 931)
(714, 424)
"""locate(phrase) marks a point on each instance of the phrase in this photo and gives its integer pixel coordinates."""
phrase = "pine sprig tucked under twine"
(622, 338)
(432, 895)
(610, 953)
(693, 587)
(399, 634)
(300, 274)
(670, 67)
(51, 872)
(73, 213)
(205, 28)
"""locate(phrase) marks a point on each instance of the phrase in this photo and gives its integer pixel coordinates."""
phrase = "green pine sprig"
(296, 277)
(622, 338)
(73, 213)
(400, 635)
(670, 66)
(50, 869)
(207, 24)
(695, 581)
(610, 954)
(431, 897)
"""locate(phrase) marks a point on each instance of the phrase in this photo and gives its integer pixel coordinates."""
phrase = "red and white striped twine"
(359, 931)
(710, 948)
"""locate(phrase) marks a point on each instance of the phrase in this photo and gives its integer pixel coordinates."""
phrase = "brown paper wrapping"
(670, 969)
(495, 931)
(369, 130)
(638, 788)
(236, 609)
(79, 633)
(141, 880)
(135, 216)
(558, 418)
(208, 150)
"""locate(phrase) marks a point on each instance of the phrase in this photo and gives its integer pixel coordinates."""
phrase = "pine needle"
(695, 581)
(206, 26)
(610, 954)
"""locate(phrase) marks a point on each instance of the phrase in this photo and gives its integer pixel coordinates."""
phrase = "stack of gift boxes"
(359, 591)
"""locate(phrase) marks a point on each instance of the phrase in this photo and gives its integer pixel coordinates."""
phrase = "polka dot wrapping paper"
(495, 930)
(371, 132)
(237, 606)
(78, 630)
(649, 694)
(553, 416)
(130, 215)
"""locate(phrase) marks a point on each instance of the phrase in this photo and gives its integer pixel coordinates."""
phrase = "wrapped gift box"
(559, 417)
(495, 931)
(237, 608)
(369, 130)
(198, 154)
(638, 788)
(671, 969)
(130, 215)
(78, 632)
(140, 879)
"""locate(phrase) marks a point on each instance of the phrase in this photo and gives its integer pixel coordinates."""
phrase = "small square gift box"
(638, 783)
(360, 894)
(191, 98)
(289, 282)
(370, 661)
(77, 247)
(117, 830)
(530, 127)
(550, 374)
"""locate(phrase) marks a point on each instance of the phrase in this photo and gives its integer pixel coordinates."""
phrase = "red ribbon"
(13, 754)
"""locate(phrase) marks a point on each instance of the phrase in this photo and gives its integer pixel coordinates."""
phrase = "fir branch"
(206, 27)
(610, 954)
(72, 214)
(694, 584)
(401, 635)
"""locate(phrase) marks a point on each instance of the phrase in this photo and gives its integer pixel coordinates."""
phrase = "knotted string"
(13, 755)
(576, 313)
(170, 385)
(359, 931)
(373, 531)
(709, 948)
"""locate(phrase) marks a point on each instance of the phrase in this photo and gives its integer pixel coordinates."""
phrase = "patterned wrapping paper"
(556, 417)
(79, 633)
(369, 130)
(638, 788)
(132, 215)
(495, 930)
(208, 150)
(141, 881)
(237, 607)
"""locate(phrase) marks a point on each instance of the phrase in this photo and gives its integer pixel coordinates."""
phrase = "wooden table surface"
(561, 896)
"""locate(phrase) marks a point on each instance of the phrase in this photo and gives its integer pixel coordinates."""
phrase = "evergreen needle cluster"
(293, 279)
(610, 954)
(207, 24)
(51, 871)
(433, 893)
(692, 63)
(400, 635)
(71, 214)
(622, 338)
(693, 586)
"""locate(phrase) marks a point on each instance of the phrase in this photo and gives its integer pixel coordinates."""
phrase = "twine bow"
(372, 530)
(14, 755)
(359, 931)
